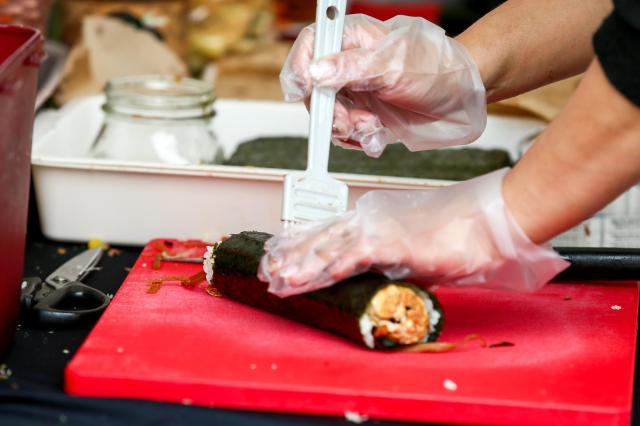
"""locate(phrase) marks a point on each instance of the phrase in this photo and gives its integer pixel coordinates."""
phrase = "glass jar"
(158, 119)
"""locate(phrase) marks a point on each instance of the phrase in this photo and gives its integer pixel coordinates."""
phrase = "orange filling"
(399, 314)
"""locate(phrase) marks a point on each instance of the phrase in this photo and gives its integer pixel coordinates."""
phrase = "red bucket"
(21, 51)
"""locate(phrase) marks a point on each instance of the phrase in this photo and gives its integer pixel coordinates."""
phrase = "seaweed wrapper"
(338, 309)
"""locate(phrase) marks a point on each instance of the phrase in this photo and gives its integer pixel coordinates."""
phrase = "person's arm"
(487, 231)
(588, 156)
(525, 44)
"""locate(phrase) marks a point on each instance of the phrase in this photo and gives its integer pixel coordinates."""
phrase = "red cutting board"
(572, 362)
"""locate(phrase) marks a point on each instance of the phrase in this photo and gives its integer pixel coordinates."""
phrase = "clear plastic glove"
(458, 235)
(400, 80)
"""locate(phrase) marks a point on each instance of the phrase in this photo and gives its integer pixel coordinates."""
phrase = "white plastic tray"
(81, 198)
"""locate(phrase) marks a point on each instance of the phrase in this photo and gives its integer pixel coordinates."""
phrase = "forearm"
(525, 44)
(588, 156)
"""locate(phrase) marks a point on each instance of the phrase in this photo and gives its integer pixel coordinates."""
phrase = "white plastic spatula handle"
(313, 194)
(329, 25)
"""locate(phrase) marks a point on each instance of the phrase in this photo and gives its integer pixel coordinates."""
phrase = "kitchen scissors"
(61, 299)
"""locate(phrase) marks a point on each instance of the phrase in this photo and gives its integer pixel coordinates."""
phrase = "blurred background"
(239, 45)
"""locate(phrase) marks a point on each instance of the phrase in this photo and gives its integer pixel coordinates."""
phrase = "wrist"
(489, 63)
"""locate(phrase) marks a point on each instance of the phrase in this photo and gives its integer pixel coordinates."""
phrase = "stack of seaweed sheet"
(446, 164)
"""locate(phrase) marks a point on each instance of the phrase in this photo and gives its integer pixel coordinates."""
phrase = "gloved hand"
(402, 79)
(459, 235)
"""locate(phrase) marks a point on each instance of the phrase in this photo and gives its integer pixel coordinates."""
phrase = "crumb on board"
(66, 351)
(157, 262)
(616, 307)
(61, 251)
(252, 366)
(188, 281)
(154, 287)
(355, 417)
(435, 347)
(186, 401)
(274, 366)
(113, 252)
(503, 344)
(212, 290)
(450, 385)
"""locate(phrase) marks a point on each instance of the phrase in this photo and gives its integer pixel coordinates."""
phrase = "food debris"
(428, 347)
(212, 290)
(450, 385)
(127, 268)
(159, 246)
(50, 331)
(157, 262)
(120, 350)
(114, 252)
(187, 401)
(354, 417)
(616, 307)
(504, 344)
(5, 372)
(96, 243)
(442, 346)
(144, 265)
(61, 251)
(587, 230)
(66, 351)
(567, 298)
(193, 280)
(154, 287)
(274, 366)
(188, 281)
(252, 366)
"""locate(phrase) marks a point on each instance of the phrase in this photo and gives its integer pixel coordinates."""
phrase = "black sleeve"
(617, 46)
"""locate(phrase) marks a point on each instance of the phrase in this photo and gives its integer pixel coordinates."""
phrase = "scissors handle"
(75, 303)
